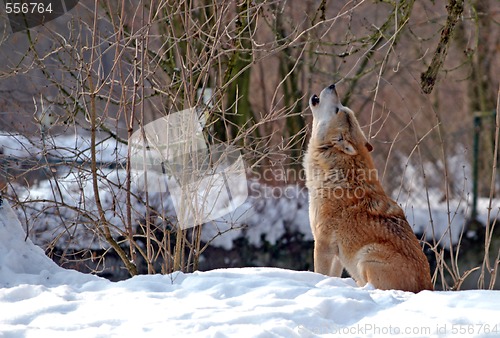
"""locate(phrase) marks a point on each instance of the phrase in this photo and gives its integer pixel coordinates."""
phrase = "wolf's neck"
(320, 131)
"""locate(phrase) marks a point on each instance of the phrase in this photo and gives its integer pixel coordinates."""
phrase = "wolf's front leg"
(326, 259)
(336, 267)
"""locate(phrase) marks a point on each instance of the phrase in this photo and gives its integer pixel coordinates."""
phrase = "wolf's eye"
(314, 100)
(336, 110)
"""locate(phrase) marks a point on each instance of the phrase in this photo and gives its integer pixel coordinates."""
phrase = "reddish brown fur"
(354, 223)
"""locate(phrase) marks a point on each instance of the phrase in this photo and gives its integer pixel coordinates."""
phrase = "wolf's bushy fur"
(354, 223)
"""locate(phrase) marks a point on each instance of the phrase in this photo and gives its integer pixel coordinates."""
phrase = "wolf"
(355, 224)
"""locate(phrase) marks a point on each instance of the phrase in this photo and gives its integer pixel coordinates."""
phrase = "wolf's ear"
(343, 145)
(368, 146)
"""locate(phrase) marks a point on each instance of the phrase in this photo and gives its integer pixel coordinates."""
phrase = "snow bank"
(21, 262)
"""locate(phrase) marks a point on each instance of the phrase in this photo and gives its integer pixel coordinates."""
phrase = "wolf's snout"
(330, 91)
(314, 100)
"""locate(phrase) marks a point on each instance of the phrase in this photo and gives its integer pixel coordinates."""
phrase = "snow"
(15, 145)
(66, 146)
(40, 299)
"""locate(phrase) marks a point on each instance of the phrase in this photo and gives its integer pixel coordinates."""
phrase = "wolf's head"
(337, 124)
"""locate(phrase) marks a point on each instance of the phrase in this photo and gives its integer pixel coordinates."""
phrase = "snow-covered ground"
(40, 299)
